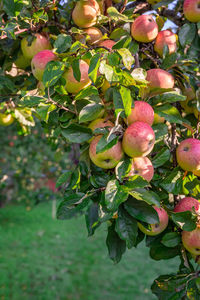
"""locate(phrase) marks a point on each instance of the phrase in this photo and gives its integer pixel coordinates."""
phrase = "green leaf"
(127, 57)
(160, 130)
(106, 142)
(123, 168)
(115, 15)
(94, 67)
(141, 211)
(126, 99)
(173, 182)
(126, 227)
(76, 69)
(75, 133)
(159, 251)
(62, 43)
(161, 158)
(148, 196)
(91, 218)
(170, 113)
(31, 101)
(187, 34)
(116, 246)
(43, 111)
(171, 239)
(114, 195)
(185, 220)
(63, 178)
(162, 3)
(169, 97)
(139, 75)
(85, 93)
(169, 60)
(24, 117)
(53, 71)
(135, 181)
(90, 112)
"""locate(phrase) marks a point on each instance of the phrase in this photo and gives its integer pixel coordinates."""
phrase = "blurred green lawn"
(46, 259)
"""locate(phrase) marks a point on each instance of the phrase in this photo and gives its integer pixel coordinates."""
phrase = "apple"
(95, 35)
(158, 227)
(38, 44)
(100, 123)
(39, 62)
(72, 85)
(144, 29)
(158, 119)
(165, 37)
(22, 62)
(142, 166)
(187, 203)
(107, 159)
(138, 139)
(6, 119)
(153, 2)
(85, 13)
(107, 43)
(190, 94)
(142, 112)
(191, 10)
(191, 240)
(159, 78)
(188, 155)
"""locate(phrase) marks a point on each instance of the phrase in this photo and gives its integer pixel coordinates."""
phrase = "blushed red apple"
(144, 29)
(191, 10)
(187, 203)
(39, 62)
(165, 37)
(188, 155)
(107, 43)
(142, 166)
(191, 240)
(159, 78)
(142, 112)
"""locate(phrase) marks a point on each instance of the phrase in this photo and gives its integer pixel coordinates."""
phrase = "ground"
(46, 259)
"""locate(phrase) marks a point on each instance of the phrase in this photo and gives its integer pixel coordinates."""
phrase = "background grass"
(46, 259)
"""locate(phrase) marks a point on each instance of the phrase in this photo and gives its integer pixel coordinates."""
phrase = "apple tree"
(119, 83)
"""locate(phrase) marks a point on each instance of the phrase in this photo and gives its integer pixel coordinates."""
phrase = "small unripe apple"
(158, 227)
(72, 85)
(144, 29)
(159, 78)
(188, 154)
(187, 203)
(142, 112)
(142, 166)
(95, 35)
(107, 43)
(138, 139)
(107, 159)
(85, 13)
(22, 62)
(191, 10)
(6, 119)
(165, 37)
(39, 62)
(191, 240)
(38, 44)
(158, 119)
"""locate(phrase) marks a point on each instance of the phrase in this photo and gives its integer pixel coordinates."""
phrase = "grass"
(46, 259)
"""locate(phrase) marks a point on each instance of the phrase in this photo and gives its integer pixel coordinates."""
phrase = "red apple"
(72, 85)
(165, 37)
(107, 159)
(39, 62)
(85, 13)
(142, 166)
(188, 155)
(138, 139)
(159, 78)
(107, 43)
(187, 203)
(191, 240)
(191, 10)
(158, 227)
(142, 112)
(144, 29)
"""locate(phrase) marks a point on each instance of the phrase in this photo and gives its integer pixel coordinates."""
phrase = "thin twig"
(150, 57)
(58, 104)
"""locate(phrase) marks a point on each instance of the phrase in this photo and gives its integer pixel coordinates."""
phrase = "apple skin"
(100, 123)
(158, 119)
(142, 166)
(39, 43)
(85, 13)
(39, 62)
(159, 227)
(144, 29)
(6, 119)
(72, 85)
(165, 37)
(142, 112)
(107, 159)
(138, 139)
(191, 10)
(191, 240)
(190, 94)
(187, 203)
(188, 155)
(95, 35)
(107, 43)
(159, 78)
(22, 62)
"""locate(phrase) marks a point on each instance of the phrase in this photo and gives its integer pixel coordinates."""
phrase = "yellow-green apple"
(40, 61)
(107, 43)
(188, 155)
(159, 78)
(107, 159)
(95, 35)
(187, 203)
(72, 85)
(191, 10)
(191, 240)
(157, 228)
(158, 119)
(153, 1)
(144, 29)
(190, 94)
(6, 119)
(142, 112)
(22, 62)
(165, 37)
(85, 13)
(138, 139)
(142, 166)
(39, 43)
